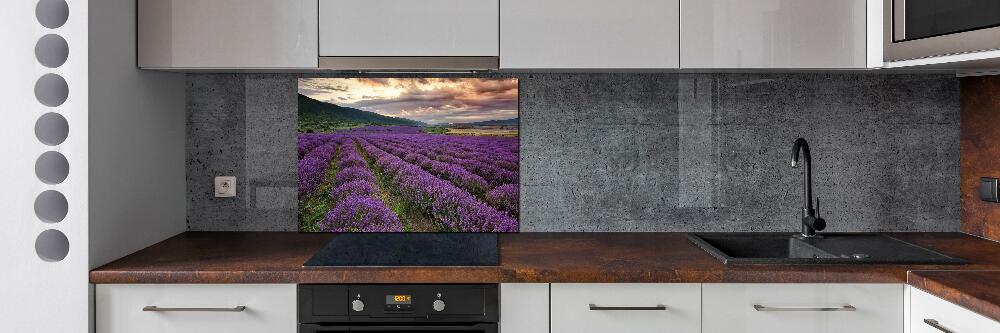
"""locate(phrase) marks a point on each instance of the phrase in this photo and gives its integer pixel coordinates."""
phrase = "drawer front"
(946, 315)
(730, 308)
(571, 310)
(269, 308)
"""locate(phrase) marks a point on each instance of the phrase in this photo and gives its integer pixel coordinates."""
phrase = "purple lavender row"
(504, 193)
(454, 173)
(500, 151)
(454, 147)
(442, 152)
(357, 206)
(423, 153)
(504, 197)
(312, 168)
(309, 141)
(454, 207)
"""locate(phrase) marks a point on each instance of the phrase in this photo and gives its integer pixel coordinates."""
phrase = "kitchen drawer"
(776, 308)
(626, 307)
(269, 308)
(948, 316)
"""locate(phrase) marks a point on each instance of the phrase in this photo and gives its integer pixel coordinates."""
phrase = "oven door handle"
(315, 328)
(482, 327)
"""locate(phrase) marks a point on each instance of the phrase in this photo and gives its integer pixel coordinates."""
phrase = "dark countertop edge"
(968, 294)
(225, 257)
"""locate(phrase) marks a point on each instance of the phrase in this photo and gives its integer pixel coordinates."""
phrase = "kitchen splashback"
(639, 152)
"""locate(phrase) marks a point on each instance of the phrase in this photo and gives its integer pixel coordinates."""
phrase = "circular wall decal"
(52, 245)
(52, 13)
(51, 90)
(51, 206)
(51, 51)
(52, 167)
(51, 129)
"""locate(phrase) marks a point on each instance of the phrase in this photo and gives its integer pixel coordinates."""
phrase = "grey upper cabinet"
(589, 34)
(774, 34)
(409, 34)
(195, 34)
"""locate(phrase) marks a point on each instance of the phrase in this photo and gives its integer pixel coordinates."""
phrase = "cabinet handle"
(935, 324)
(154, 308)
(660, 307)
(848, 307)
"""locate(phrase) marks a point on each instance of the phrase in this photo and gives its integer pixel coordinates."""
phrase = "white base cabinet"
(524, 307)
(269, 308)
(817, 308)
(626, 307)
(930, 314)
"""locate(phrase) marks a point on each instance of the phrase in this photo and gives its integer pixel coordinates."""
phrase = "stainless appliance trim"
(935, 324)
(896, 48)
(848, 307)
(409, 63)
(658, 307)
(481, 327)
(154, 308)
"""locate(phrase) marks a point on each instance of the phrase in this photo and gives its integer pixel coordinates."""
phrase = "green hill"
(498, 122)
(316, 116)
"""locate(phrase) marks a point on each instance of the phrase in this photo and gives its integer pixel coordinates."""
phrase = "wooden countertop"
(271, 257)
(277, 257)
(978, 291)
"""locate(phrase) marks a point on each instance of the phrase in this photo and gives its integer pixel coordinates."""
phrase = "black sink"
(786, 248)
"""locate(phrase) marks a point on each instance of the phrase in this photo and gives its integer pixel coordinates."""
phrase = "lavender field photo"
(408, 155)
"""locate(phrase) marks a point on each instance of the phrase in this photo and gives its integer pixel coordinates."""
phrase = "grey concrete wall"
(641, 152)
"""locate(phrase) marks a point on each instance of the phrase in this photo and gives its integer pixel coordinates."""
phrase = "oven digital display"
(398, 299)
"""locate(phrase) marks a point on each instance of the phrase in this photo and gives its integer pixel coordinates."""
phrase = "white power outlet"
(225, 187)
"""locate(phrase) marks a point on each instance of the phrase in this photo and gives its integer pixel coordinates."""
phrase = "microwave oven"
(915, 29)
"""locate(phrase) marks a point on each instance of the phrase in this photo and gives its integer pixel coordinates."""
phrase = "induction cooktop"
(408, 249)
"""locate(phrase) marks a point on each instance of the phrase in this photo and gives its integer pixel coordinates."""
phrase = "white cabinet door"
(269, 308)
(773, 34)
(778, 308)
(927, 310)
(626, 307)
(408, 28)
(589, 34)
(524, 308)
(227, 33)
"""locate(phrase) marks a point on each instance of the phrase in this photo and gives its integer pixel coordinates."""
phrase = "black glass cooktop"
(409, 249)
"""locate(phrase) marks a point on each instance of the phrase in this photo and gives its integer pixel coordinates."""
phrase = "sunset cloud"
(430, 100)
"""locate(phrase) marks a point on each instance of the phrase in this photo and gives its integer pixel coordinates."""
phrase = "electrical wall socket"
(225, 187)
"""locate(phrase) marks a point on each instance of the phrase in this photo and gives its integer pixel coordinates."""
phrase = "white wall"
(38, 295)
(126, 128)
(137, 126)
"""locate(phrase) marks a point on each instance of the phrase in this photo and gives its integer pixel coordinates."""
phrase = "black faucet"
(810, 221)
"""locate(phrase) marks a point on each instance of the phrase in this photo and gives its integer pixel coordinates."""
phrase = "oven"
(387, 308)
(916, 29)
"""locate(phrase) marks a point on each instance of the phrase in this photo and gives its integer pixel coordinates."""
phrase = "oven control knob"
(358, 305)
(438, 305)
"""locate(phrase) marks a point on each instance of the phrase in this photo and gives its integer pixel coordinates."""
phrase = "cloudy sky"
(430, 100)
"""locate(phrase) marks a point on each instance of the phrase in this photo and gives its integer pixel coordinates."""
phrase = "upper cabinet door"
(408, 28)
(227, 34)
(773, 34)
(584, 34)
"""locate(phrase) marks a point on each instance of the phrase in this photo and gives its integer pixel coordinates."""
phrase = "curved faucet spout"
(807, 188)
(810, 222)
